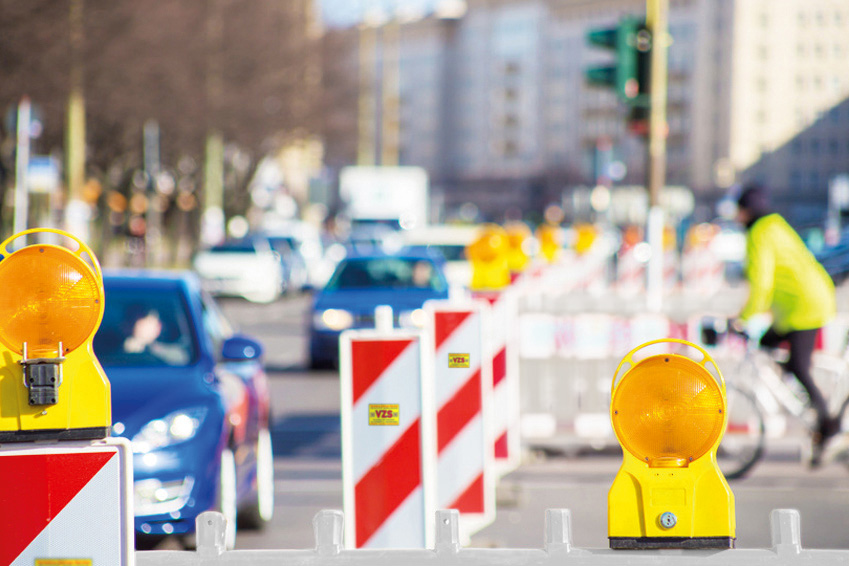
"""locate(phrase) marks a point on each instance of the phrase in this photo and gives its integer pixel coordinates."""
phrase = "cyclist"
(786, 279)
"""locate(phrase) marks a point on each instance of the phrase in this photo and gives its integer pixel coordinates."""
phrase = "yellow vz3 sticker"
(383, 415)
(458, 360)
(63, 562)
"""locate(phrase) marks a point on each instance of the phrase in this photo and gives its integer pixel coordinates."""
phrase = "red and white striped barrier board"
(66, 503)
(630, 273)
(670, 271)
(388, 444)
(505, 380)
(702, 271)
(465, 468)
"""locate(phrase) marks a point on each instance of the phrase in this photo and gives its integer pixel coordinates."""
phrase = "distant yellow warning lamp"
(488, 256)
(51, 384)
(669, 414)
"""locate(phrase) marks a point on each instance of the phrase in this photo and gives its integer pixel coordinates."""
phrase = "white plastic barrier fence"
(66, 503)
(388, 443)
(505, 380)
(702, 271)
(785, 529)
(630, 273)
(463, 383)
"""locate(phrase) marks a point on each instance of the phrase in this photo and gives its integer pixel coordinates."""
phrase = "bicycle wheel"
(743, 443)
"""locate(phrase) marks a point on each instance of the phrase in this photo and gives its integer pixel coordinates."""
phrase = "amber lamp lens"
(49, 296)
(668, 411)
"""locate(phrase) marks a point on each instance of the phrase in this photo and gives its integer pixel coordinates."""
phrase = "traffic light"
(51, 385)
(669, 414)
(628, 74)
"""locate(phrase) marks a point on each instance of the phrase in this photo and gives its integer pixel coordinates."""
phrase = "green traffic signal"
(628, 74)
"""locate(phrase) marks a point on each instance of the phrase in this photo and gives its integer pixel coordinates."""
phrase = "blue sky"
(348, 12)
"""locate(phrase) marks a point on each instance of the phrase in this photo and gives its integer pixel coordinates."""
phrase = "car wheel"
(260, 511)
(227, 505)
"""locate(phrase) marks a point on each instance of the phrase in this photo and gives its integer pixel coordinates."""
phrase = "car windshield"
(394, 272)
(451, 252)
(145, 328)
(240, 246)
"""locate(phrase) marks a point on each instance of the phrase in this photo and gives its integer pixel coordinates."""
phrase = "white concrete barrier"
(329, 550)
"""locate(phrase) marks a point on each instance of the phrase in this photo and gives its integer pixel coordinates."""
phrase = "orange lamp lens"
(49, 296)
(668, 411)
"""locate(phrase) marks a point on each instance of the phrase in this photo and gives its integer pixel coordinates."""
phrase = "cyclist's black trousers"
(802, 344)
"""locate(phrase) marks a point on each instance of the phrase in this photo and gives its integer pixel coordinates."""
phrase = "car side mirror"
(240, 348)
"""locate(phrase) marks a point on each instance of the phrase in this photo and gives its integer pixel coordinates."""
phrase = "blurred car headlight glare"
(176, 427)
(334, 319)
(154, 497)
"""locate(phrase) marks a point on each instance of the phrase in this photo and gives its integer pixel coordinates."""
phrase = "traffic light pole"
(657, 22)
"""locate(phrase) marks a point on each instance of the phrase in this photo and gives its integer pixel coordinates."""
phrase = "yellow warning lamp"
(700, 235)
(585, 236)
(669, 414)
(670, 239)
(549, 241)
(51, 384)
(631, 236)
(518, 238)
(488, 256)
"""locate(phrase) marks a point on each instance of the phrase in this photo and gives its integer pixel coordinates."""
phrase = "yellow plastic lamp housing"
(51, 384)
(669, 414)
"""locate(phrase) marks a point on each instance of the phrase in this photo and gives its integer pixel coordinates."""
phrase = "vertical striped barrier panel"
(630, 273)
(505, 379)
(465, 468)
(388, 431)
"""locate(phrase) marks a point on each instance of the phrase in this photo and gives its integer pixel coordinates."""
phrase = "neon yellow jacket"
(785, 278)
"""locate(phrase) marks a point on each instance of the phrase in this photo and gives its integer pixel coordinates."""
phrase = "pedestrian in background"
(787, 280)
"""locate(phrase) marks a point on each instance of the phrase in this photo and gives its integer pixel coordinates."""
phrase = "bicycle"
(762, 398)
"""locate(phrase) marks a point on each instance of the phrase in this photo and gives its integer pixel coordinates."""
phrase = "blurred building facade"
(494, 103)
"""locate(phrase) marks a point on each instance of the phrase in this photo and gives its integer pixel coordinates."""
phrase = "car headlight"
(154, 497)
(333, 319)
(174, 428)
(412, 319)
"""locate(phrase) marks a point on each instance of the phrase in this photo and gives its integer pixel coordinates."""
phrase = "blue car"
(360, 283)
(192, 397)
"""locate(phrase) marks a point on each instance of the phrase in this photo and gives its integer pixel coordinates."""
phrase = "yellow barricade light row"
(51, 384)
(669, 414)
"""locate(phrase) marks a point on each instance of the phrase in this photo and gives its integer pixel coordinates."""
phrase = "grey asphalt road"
(307, 462)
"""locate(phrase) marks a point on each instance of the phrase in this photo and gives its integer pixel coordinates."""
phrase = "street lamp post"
(657, 21)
